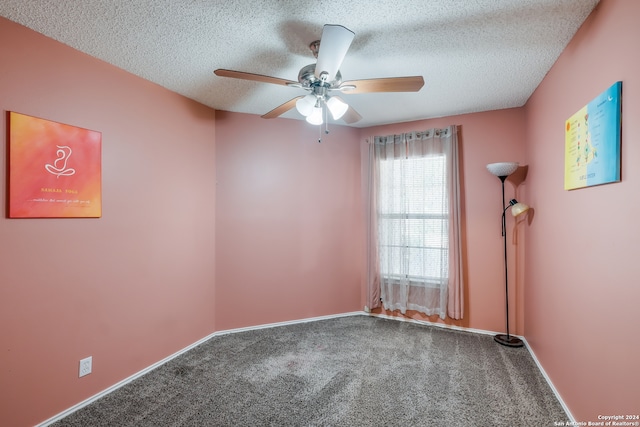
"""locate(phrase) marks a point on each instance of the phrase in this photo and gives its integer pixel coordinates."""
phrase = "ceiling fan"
(323, 79)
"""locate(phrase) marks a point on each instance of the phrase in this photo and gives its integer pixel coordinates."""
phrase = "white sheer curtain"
(414, 223)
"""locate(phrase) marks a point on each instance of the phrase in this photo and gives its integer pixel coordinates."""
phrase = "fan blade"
(351, 116)
(282, 108)
(389, 84)
(253, 77)
(334, 45)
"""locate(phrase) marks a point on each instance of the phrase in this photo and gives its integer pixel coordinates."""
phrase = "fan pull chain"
(325, 110)
(326, 120)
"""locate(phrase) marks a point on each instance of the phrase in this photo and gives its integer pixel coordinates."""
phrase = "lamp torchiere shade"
(502, 168)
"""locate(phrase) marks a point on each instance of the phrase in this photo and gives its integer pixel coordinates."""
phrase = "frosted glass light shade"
(519, 209)
(305, 105)
(502, 168)
(337, 107)
(315, 118)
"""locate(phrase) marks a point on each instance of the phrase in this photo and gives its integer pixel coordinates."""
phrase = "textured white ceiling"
(474, 55)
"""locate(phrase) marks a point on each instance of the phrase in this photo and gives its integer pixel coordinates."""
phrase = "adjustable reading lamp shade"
(517, 208)
(502, 171)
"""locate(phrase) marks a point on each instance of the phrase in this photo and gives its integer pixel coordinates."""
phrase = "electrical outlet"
(85, 366)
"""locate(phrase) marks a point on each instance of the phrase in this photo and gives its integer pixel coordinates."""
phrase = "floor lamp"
(503, 170)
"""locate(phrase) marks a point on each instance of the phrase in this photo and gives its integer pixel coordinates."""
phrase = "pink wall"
(487, 137)
(302, 234)
(131, 287)
(279, 236)
(288, 226)
(582, 289)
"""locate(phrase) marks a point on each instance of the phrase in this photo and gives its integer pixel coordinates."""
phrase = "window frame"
(435, 282)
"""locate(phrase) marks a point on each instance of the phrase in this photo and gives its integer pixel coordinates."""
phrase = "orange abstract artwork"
(54, 169)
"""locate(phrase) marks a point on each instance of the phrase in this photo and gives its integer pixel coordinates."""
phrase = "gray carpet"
(349, 371)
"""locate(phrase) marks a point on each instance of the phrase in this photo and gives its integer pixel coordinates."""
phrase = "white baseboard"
(485, 332)
(148, 369)
(116, 386)
(439, 325)
(546, 377)
(288, 322)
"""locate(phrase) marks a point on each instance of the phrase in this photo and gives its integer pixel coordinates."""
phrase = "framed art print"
(592, 141)
(54, 169)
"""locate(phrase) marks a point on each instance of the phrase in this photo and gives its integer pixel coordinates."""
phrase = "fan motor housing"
(308, 79)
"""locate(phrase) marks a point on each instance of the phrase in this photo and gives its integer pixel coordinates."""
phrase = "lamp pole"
(502, 170)
(507, 339)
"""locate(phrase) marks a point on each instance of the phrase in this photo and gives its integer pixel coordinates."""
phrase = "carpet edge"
(167, 359)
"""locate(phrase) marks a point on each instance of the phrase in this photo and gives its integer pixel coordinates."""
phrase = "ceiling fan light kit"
(324, 77)
(306, 104)
(337, 107)
(315, 118)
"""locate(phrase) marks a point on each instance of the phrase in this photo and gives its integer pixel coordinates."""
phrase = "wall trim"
(486, 332)
(439, 325)
(571, 419)
(150, 368)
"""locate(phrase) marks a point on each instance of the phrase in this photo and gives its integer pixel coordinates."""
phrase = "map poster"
(592, 142)
(54, 169)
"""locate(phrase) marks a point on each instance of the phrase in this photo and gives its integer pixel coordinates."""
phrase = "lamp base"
(508, 340)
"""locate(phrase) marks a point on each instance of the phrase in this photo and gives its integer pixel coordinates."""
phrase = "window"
(413, 223)
(413, 220)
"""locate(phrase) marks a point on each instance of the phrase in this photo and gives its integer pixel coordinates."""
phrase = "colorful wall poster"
(592, 141)
(54, 169)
